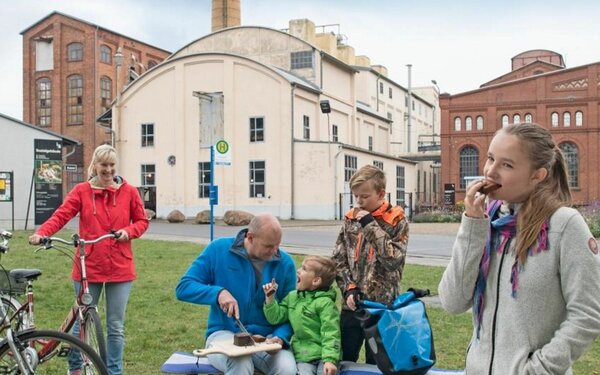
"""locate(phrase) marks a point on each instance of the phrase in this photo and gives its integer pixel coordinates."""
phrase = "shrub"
(436, 217)
(591, 214)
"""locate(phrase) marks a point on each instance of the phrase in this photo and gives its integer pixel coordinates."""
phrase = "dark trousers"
(353, 338)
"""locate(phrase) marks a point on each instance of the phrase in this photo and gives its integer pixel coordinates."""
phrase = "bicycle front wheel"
(46, 352)
(93, 334)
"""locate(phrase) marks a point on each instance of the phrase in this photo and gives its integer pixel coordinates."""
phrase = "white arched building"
(261, 88)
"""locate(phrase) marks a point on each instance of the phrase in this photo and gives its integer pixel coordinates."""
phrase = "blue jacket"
(224, 264)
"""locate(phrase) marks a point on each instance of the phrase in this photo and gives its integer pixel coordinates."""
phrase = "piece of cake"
(242, 339)
(489, 186)
(259, 338)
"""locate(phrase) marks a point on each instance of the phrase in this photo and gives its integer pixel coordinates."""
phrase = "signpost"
(449, 199)
(48, 178)
(6, 192)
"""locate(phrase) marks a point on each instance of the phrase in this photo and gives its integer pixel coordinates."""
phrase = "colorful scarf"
(501, 230)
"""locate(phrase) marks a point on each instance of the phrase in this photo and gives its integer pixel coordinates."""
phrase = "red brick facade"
(59, 31)
(571, 94)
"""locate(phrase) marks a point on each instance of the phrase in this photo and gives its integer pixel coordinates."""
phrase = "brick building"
(538, 89)
(69, 79)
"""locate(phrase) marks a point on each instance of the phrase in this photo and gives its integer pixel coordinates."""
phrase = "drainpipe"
(321, 68)
(377, 90)
(335, 178)
(408, 126)
(292, 152)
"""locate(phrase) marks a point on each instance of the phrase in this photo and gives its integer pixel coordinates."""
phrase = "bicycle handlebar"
(46, 242)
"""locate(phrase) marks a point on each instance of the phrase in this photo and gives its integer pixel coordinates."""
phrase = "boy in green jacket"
(313, 315)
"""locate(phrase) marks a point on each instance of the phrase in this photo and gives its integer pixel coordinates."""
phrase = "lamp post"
(326, 108)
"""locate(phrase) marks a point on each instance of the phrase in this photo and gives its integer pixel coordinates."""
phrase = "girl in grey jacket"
(528, 266)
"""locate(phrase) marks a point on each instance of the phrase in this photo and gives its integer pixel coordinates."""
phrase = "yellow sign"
(222, 147)
(223, 154)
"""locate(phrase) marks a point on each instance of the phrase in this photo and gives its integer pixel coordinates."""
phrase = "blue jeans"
(281, 363)
(116, 297)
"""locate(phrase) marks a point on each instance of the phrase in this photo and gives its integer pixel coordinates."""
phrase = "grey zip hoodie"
(555, 315)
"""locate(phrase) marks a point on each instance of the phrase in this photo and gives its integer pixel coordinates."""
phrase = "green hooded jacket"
(315, 320)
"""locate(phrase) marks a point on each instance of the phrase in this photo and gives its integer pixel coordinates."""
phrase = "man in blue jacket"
(228, 276)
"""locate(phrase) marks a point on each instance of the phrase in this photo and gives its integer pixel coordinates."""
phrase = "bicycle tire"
(93, 333)
(46, 351)
(18, 319)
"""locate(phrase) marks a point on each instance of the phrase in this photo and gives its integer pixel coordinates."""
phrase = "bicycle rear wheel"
(93, 335)
(18, 319)
(47, 353)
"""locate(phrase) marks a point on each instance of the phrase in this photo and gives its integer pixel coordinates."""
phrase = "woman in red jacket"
(104, 203)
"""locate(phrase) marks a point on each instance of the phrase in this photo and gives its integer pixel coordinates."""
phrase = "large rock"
(237, 218)
(150, 214)
(203, 217)
(176, 216)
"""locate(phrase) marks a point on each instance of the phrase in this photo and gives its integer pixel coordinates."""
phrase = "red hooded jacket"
(100, 211)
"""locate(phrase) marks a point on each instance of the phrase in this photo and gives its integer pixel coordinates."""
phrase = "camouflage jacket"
(370, 253)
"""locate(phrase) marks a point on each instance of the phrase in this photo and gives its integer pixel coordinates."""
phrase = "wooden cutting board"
(226, 347)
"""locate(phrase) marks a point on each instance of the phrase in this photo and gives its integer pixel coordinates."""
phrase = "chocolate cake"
(259, 338)
(488, 187)
(242, 339)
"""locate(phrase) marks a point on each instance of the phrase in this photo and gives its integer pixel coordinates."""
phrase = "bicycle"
(82, 311)
(41, 352)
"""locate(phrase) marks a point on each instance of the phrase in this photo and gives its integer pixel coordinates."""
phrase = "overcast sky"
(460, 44)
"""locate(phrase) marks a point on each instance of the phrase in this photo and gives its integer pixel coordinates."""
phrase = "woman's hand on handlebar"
(35, 239)
(122, 235)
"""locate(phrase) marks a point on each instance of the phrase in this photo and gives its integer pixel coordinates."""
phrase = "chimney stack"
(225, 13)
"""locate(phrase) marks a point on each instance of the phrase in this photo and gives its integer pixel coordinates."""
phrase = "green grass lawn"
(157, 324)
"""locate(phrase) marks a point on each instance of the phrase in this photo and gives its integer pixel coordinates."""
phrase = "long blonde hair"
(548, 195)
(102, 153)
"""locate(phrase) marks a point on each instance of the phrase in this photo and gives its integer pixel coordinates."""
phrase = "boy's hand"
(270, 289)
(329, 368)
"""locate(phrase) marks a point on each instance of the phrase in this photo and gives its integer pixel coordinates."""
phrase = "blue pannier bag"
(399, 334)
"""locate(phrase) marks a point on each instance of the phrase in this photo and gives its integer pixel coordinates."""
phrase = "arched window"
(528, 118)
(479, 122)
(554, 119)
(44, 102)
(567, 119)
(504, 121)
(571, 155)
(457, 124)
(105, 92)
(468, 123)
(516, 118)
(75, 52)
(469, 164)
(75, 100)
(578, 118)
(151, 64)
(105, 54)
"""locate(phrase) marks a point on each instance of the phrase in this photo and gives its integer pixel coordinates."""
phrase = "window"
(528, 118)
(44, 102)
(567, 119)
(457, 124)
(504, 121)
(578, 118)
(257, 129)
(257, 179)
(151, 64)
(570, 153)
(147, 135)
(350, 165)
(469, 164)
(468, 123)
(381, 87)
(75, 100)
(390, 92)
(105, 92)
(479, 122)
(306, 127)
(148, 174)
(75, 52)
(378, 164)
(334, 131)
(105, 54)
(516, 118)
(554, 119)
(302, 59)
(204, 179)
(370, 141)
(400, 187)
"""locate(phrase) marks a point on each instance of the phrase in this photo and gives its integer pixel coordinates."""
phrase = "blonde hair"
(102, 153)
(323, 267)
(368, 173)
(548, 195)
